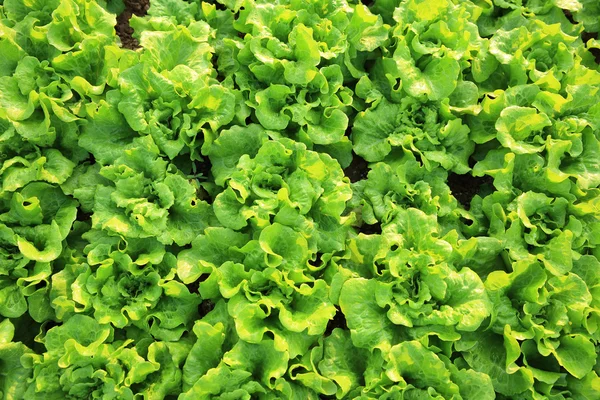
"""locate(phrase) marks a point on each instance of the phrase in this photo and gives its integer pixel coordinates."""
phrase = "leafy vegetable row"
(176, 221)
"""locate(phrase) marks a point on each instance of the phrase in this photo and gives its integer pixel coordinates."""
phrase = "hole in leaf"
(380, 267)
(466, 221)
(317, 261)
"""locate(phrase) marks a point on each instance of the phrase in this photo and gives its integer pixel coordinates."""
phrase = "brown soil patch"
(125, 32)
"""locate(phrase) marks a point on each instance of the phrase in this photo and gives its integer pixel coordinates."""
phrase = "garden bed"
(301, 199)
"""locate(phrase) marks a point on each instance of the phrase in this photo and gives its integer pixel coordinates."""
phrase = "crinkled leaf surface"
(300, 199)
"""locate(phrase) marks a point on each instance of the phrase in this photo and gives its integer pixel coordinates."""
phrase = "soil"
(358, 169)
(585, 36)
(125, 32)
(465, 187)
(367, 229)
(194, 286)
(569, 16)
(338, 321)
(205, 307)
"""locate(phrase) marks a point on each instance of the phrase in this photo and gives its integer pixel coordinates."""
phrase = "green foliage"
(178, 221)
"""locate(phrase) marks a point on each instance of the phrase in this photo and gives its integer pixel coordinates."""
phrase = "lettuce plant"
(262, 200)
